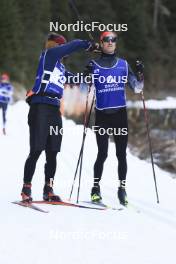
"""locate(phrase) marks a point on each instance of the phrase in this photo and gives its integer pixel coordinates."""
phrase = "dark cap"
(59, 39)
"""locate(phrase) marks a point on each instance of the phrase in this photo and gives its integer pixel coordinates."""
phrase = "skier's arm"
(11, 89)
(136, 85)
(70, 47)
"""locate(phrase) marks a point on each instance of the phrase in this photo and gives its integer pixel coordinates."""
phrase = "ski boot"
(48, 194)
(96, 194)
(26, 193)
(122, 196)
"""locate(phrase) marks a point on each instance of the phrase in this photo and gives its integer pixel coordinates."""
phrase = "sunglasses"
(108, 39)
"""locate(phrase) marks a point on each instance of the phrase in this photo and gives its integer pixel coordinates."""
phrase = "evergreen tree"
(35, 16)
(11, 46)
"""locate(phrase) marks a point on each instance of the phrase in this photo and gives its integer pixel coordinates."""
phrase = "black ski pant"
(4, 109)
(40, 119)
(116, 121)
(50, 166)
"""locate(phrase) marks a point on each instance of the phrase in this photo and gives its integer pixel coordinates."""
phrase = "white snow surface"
(70, 235)
(168, 103)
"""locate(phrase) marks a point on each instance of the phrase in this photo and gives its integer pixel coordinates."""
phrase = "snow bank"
(168, 103)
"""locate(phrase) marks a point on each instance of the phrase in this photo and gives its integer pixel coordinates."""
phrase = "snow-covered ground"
(69, 235)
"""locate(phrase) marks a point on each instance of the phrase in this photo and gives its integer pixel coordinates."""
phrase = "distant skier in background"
(6, 92)
(110, 110)
(44, 100)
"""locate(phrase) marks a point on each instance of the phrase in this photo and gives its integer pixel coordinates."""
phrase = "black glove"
(29, 96)
(95, 47)
(140, 70)
(139, 66)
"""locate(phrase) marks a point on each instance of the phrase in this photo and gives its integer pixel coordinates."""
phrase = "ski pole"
(150, 144)
(77, 166)
(82, 150)
(86, 122)
(75, 9)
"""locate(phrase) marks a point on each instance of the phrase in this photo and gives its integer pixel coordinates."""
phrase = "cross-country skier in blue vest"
(44, 113)
(110, 75)
(6, 92)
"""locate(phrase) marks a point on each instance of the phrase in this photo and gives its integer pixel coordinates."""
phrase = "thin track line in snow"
(154, 213)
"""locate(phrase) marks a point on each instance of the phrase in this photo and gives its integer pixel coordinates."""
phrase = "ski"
(101, 204)
(69, 204)
(30, 205)
(121, 207)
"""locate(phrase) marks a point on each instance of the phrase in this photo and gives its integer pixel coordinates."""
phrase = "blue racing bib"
(110, 85)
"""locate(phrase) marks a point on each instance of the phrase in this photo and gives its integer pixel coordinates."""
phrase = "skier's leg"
(101, 121)
(50, 166)
(121, 142)
(121, 146)
(102, 143)
(50, 169)
(4, 110)
(30, 166)
(52, 148)
(37, 120)
(29, 170)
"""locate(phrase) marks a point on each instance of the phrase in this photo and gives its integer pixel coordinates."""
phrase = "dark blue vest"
(110, 85)
(49, 82)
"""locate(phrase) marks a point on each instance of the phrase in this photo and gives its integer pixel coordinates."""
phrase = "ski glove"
(140, 70)
(29, 95)
(140, 77)
(95, 47)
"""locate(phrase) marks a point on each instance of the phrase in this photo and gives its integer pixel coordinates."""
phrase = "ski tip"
(29, 205)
